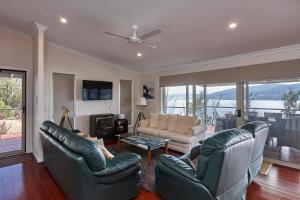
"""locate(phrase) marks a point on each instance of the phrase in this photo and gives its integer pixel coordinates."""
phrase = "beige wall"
(16, 54)
(62, 60)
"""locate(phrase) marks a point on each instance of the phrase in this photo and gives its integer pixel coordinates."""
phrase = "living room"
(139, 98)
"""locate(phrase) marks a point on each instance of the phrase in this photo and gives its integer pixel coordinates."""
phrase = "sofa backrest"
(224, 162)
(260, 132)
(77, 144)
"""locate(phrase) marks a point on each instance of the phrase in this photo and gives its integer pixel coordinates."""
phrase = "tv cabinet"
(102, 126)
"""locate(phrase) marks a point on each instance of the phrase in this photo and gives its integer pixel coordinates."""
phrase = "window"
(278, 104)
(175, 100)
(200, 102)
(221, 106)
(275, 102)
(214, 105)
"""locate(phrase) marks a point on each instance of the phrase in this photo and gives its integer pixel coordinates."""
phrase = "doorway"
(12, 112)
(126, 99)
(63, 96)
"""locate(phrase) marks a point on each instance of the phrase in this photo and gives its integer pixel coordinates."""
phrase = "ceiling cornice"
(212, 64)
(44, 28)
(276, 54)
(16, 32)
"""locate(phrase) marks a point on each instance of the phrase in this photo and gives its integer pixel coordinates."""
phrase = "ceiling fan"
(135, 39)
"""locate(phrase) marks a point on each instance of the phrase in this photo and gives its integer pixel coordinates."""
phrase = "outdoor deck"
(10, 142)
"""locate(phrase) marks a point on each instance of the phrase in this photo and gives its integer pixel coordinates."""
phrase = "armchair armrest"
(188, 157)
(119, 163)
(179, 166)
(196, 130)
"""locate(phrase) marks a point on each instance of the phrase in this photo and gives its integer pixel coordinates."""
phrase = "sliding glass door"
(278, 104)
(221, 107)
(275, 102)
(12, 112)
(175, 100)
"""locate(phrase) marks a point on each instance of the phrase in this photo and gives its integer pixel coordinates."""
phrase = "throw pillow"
(172, 122)
(106, 153)
(184, 123)
(100, 145)
(154, 120)
(163, 122)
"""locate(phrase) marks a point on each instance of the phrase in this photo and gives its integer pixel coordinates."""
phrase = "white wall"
(16, 54)
(63, 60)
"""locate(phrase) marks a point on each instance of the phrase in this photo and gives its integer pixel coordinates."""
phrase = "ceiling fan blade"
(123, 45)
(150, 34)
(116, 35)
(148, 45)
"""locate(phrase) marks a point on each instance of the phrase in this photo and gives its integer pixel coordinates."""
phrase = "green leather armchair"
(259, 130)
(221, 173)
(81, 170)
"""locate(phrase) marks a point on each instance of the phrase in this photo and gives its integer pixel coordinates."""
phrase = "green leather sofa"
(221, 173)
(260, 132)
(81, 170)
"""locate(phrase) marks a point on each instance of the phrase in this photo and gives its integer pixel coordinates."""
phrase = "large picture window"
(275, 102)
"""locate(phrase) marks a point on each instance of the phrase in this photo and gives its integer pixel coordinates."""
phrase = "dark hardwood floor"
(31, 180)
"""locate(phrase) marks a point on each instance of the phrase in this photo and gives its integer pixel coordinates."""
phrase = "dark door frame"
(24, 112)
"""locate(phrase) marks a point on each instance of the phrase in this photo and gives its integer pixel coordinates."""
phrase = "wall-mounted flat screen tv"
(96, 90)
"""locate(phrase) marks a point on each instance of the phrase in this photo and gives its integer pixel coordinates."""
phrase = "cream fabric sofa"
(185, 132)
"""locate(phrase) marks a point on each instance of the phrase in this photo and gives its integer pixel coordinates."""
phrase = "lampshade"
(141, 101)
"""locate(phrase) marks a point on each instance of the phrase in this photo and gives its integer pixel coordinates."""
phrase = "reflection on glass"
(175, 100)
(277, 103)
(221, 106)
(200, 103)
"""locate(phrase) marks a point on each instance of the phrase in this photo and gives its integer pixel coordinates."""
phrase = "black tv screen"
(96, 90)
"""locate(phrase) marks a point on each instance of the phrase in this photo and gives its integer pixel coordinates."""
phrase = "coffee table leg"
(149, 156)
(166, 148)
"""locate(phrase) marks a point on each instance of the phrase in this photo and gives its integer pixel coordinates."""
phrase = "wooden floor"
(32, 181)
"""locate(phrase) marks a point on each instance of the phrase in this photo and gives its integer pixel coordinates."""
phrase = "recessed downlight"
(232, 25)
(139, 54)
(63, 20)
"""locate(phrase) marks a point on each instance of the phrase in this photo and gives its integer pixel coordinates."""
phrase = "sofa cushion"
(154, 120)
(144, 123)
(176, 137)
(184, 123)
(163, 122)
(172, 122)
(149, 131)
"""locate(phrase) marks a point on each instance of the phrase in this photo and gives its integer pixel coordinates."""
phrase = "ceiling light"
(139, 54)
(232, 25)
(63, 20)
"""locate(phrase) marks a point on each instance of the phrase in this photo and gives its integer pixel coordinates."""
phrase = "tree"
(290, 102)
(11, 91)
(4, 112)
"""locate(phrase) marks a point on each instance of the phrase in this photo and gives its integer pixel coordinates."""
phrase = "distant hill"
(260, 92)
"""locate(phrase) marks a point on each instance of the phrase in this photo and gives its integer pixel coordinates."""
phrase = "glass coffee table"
(143, 142)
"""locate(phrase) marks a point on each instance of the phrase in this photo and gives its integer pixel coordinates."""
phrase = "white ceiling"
(193, 30)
